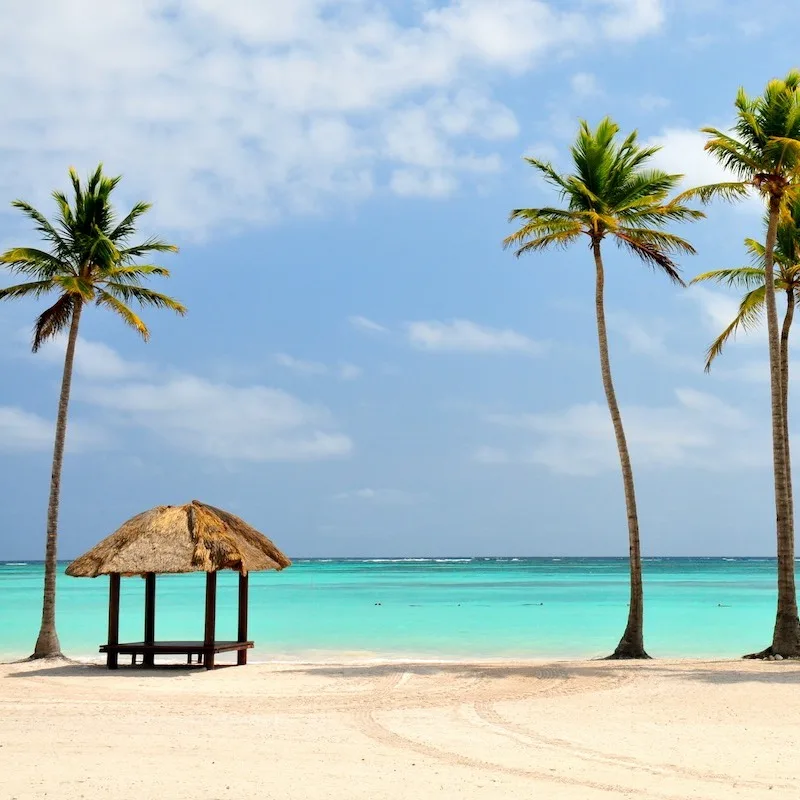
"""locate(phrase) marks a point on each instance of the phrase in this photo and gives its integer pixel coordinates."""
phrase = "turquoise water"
(428, 608)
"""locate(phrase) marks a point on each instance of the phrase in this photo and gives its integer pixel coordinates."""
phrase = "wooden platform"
(204, 652)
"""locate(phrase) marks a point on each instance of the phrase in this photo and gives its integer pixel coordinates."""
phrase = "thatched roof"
(191, 538)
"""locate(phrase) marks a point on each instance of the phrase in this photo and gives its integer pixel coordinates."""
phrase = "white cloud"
(718, 310)
(544, 151)
(682, 152)
(631, 19)
(653, 102)
(378, 496)
(21, 430)
(349, 372)
(364, 324)
(93, 360)
(463, 336)
(491, 455)
(584, 84)
(649, 339)
(418, 183)
(248, 109)
(300, 367)
(217, 420)
(344, 371)
(698, 431)
(201, 416)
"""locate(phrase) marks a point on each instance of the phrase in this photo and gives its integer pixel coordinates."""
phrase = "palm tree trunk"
(786, 634)
(47, 644)
(785, 330)
(631, 645)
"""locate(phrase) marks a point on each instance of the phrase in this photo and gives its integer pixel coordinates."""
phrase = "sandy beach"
(679, 729)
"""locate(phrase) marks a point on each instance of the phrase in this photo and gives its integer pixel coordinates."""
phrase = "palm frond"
(730, 191)
(650, 254)
(72, 284)
(36, 263)
(44, 226)
(650, 214)
(733, 154)
(31, 289)
(543, 228)
(145, 249)
(750, 310)
(53, 321)
(130, 318)
(556, 239)
(739, 277)
(144, 296)
(548, 172)
(757, 251)
(135, 273)
(127, 225)
(668, 242)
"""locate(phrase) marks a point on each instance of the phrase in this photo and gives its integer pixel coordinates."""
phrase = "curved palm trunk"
(785, 330)
(786, 634)
(631, 645)
(47, 644)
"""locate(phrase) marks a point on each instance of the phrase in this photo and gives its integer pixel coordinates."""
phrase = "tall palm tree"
(89, 259)
(611, 194)
(751, 308)
(762, 150)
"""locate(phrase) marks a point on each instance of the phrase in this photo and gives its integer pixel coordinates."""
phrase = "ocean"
(423, 608)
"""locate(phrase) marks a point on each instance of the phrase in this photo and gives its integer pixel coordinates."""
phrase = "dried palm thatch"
(191, 538)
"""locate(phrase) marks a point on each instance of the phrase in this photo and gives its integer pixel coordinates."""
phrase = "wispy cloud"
(378, 496)
(21, 431)
(93, 360)
(234, 423)
(344, 371)
(653, 102)
(464, 336)
(698, 431)
(189, 412)
(645, 338)
(365, 324)
(584, 84)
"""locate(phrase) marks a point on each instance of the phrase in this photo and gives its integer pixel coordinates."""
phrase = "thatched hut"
(173, 539)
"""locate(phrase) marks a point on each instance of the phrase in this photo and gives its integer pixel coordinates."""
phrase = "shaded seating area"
(195, 537)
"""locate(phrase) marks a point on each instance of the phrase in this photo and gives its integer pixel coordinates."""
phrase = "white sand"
(558, 730)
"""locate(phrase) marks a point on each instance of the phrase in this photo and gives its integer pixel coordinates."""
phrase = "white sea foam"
(392, 560)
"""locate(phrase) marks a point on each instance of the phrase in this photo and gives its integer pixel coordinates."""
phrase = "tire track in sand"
(485, 711)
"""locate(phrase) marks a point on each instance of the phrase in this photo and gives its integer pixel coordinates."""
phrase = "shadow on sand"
(706, 672)
(63, 668)
(726, 672)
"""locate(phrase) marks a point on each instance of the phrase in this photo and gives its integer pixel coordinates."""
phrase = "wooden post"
(149, 616)
(211, 618)
(241, 655)
(112, 657)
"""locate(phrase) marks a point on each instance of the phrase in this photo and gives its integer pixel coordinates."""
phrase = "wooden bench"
(204, 652)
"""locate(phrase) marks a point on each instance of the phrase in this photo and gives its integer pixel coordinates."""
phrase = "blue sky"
(363, 370)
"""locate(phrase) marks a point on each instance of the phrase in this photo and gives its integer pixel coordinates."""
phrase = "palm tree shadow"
(780, 675)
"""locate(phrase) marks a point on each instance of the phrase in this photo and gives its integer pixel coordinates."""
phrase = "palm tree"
(751, 308)
(89, 259)
(611, 194)
(762, 150)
